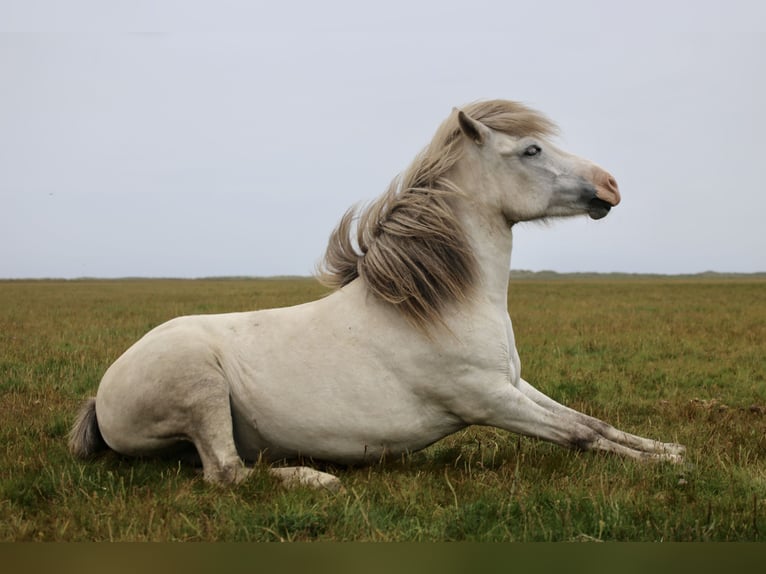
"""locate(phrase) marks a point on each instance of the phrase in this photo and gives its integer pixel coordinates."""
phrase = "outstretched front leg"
(511, 409)
(604, 429)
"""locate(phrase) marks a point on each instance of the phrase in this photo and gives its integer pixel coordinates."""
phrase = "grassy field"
(677, 359)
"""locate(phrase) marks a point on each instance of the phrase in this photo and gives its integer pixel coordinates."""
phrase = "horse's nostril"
(609, 187)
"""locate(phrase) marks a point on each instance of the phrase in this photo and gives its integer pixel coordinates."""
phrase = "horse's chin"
(598, 208)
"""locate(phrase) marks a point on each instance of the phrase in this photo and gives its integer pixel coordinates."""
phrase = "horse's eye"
(532, 150)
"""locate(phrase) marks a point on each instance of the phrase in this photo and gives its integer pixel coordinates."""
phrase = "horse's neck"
(491, 240)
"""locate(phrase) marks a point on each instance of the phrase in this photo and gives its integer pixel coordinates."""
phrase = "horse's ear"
(473, 129)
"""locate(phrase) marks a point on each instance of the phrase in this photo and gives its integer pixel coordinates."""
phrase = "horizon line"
(513, 274)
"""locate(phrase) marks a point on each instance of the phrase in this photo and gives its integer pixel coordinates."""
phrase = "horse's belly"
(334, 448)
(332, 425)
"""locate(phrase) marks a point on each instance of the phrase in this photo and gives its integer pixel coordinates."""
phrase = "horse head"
(518, 170)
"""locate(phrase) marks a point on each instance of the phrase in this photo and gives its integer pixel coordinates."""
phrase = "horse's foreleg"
(604, 429)
(513, 410)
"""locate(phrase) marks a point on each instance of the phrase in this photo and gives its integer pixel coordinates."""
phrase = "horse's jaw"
(598, 208)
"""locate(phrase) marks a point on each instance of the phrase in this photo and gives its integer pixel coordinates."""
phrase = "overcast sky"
(190, 138)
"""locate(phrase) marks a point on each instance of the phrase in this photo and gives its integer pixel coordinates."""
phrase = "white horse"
(414, 344)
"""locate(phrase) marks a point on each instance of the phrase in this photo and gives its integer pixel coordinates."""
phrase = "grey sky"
(197, 138)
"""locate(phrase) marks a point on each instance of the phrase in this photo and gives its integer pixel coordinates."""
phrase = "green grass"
(675, 359)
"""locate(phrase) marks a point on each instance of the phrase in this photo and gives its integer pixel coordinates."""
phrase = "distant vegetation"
(679, 360)
(524, 274)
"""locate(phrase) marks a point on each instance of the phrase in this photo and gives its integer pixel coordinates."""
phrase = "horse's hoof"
(292, 477)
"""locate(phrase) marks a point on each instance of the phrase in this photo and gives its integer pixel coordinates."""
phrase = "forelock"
(512, 118)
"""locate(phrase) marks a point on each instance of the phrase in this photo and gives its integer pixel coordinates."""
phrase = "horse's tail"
(85, 440)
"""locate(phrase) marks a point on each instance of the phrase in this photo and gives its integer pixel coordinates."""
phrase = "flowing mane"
(411, 250)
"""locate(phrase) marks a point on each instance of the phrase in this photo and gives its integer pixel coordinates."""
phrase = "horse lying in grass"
(414, 344)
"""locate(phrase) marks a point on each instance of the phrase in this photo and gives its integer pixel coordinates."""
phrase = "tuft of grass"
(674, 359)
